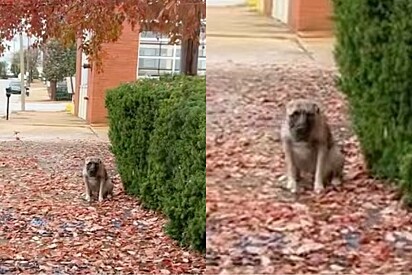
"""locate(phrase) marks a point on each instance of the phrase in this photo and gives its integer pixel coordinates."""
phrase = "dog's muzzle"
(92, 169)
(301, 133)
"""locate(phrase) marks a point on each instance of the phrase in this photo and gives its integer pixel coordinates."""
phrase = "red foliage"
(64, 19)
(254, 225)
(47, 227)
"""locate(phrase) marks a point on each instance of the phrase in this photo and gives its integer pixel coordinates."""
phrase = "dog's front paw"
(318, 188)
(336, 182)
(87, 198)
(291, 185)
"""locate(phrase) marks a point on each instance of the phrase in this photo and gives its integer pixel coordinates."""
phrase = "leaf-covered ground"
(253, 224)
(47, 227)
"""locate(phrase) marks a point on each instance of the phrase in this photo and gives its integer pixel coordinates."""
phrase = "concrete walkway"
(38, 92)
(241, 22)
(321, 49)
(45, 125)
(37, 101)
(237, 34)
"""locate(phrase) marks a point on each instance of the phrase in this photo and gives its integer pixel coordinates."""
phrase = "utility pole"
(22, 86)
(28, 62)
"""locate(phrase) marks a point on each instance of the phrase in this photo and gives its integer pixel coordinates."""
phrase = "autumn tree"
(33, 56)
(59, 62)
(3, 68)
(65, 20)
(15, 66)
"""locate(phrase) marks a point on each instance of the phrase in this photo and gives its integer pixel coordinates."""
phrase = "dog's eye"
(295, 114)
(310, 114)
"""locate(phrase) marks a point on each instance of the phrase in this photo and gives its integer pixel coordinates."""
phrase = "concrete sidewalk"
(44, 126)
(237, 34)
(320, 49)
(241, 22)
(38, 92)
(38, 100)
(102, 132)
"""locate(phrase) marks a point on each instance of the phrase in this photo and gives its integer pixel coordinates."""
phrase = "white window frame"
(162, 40)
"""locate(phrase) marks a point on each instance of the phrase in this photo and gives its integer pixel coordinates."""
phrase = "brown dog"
(309, 146)
(96, 179)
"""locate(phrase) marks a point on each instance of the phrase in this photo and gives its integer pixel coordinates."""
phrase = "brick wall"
(119, 65)
(311, 15)
(267, 7)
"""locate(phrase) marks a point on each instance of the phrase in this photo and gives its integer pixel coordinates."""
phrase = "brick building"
(133, 56)
(306, 17)
(119, 65)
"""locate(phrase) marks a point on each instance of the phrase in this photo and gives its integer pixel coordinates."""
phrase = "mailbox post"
(8, 94)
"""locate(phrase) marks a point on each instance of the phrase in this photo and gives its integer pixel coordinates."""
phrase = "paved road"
(15, 104)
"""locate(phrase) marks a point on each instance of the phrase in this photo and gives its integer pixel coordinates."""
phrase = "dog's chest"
(303, 148)
(304, 155)
(93, 183)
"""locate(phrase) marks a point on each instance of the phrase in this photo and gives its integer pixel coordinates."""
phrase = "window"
(151, 73)
(155, 63)
(202, 51)
(202, 64)
(146, 50)
(157, 57)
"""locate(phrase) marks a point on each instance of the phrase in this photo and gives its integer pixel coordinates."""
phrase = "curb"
(301, 45)
(310, 53)
(93, 130)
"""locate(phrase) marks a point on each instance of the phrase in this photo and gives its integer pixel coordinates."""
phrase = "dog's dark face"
(302, 115)
(92, 165)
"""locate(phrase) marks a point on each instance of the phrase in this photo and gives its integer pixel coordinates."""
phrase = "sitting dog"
(96, 179)
(309, 146)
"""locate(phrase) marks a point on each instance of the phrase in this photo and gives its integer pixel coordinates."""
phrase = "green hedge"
(374, 56)
(158, 136)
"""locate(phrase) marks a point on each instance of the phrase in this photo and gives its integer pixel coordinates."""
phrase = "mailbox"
(8, 91)
(8, 94)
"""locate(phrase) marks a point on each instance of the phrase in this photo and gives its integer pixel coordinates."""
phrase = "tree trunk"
(189, 52)
(189, 57)
(53, 88)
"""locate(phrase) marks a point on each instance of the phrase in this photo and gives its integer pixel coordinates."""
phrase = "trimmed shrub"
(158, 136)
(374, 56)
(406, 179)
